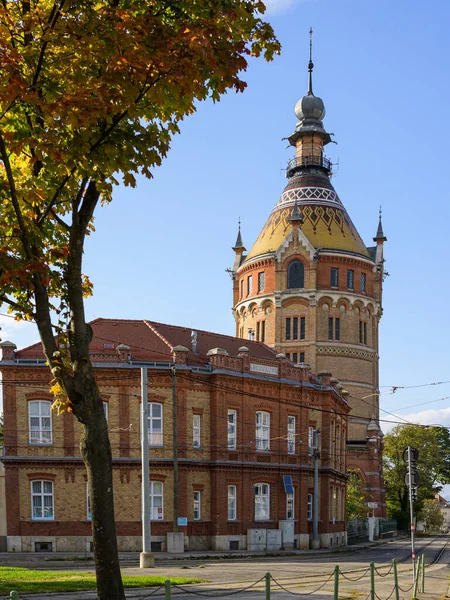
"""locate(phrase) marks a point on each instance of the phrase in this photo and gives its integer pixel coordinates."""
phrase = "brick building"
(310, 288)
(245, 418)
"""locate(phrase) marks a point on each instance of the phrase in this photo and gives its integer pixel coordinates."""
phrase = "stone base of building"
(221, 543)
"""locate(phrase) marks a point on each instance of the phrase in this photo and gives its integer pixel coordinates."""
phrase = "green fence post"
(167, 589)
(268, 586)
(416, 580)
(372, 581)
(423, 573)
(394, 563)
(336, 582)
(13, 595)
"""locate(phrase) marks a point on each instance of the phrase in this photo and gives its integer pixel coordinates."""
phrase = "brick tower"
(311, 288)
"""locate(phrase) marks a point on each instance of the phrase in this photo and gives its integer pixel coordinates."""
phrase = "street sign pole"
(411, 510)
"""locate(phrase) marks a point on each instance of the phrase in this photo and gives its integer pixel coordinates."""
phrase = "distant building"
(245, 422)
(310, 288)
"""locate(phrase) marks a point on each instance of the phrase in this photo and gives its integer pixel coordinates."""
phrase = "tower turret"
(311, 288)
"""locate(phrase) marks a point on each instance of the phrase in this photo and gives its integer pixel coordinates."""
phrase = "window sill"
(41, 444)
(42, 521)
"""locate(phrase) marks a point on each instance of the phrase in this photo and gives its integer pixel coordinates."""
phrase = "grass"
(28, 581)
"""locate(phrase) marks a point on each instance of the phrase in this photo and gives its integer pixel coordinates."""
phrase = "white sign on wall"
(263, 369)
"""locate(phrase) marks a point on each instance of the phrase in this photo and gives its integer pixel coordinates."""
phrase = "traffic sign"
(413, 452)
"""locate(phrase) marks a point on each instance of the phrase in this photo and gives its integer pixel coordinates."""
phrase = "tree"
(90, 90)
(356, 497)
(432, 515)
(432, 466)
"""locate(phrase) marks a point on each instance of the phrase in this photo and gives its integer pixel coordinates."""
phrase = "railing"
(310, 160)
(388, 525)
(357, 530)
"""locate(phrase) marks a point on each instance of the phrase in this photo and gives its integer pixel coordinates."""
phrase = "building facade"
(245, 427)
(310, 288)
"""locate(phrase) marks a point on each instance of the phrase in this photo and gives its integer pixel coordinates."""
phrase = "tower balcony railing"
(309, 160)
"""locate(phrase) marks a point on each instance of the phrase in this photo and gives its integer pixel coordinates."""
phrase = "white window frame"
(262, 430)
(249, 285)
(232, 429)
(232, 503)
(155, 438)
(310, 507)
(197, 505)
(291, 424)
(44, 435)
(42, 495)
(106, 410)
(262, 502)
(155, 514)
(290, 506)
(88, 504)
(196, 430)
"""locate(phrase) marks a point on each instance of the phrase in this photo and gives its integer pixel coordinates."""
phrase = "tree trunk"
(96, 453)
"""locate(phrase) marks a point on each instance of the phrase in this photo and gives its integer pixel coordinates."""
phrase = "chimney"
(325, 377)
(7, 350)
(179, 354)
(194, 336)
(124, 352)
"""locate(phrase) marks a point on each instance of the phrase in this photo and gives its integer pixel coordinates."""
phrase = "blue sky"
(160, 251)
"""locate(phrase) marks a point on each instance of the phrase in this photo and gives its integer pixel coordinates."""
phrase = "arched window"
(296, 274)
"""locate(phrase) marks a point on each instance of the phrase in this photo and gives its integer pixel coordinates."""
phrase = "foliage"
(356, 498)
(432, 515)
(433, 468)
(91, 93)
(29, 581)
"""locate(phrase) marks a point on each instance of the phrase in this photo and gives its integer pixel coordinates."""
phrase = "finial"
(239, 243)
(296, 216)
(310, 64)
(380, 235)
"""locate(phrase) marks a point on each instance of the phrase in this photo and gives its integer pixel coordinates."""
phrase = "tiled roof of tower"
(152, 341)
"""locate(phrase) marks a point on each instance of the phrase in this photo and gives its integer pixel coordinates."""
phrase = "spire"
(380, 235)
(239, 245)
(296, 216)
(310, 64)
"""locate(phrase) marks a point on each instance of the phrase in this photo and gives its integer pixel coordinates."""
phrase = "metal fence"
(357, 530)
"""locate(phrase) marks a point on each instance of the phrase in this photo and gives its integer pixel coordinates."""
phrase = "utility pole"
(316, 454)
(146, 559)
(410, 456)
(175, 449)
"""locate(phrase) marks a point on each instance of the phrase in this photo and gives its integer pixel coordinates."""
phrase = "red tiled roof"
(149, 341)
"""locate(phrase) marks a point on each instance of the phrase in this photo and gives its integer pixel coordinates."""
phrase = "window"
(261, 281)
(262, 430)
(334, 277)
(350, 279)
(295, 328)
(296, 274)
(105, 410)
(302, 328)
(197, 506)
(311, 430)
(291, 435)
(155, 424)
(288, 328)
(196, 431)
(251, 335)
(156, 501)
(294, 357)
(290, 505)
(232, 512)
(260, 331)
(363, 282)
(310, 507)
(42, 500)
(262, 502)
(242, 288)
(288, 355)
(302, 357)
(88, 503)
(40, 422)
(232, 429)
(249, 284)
(362, 332)
(334, 328)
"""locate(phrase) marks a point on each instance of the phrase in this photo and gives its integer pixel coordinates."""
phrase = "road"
(299, 575)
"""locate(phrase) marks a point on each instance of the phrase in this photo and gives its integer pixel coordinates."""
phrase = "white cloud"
(425, 417)
(276, 7)
(22, 333)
